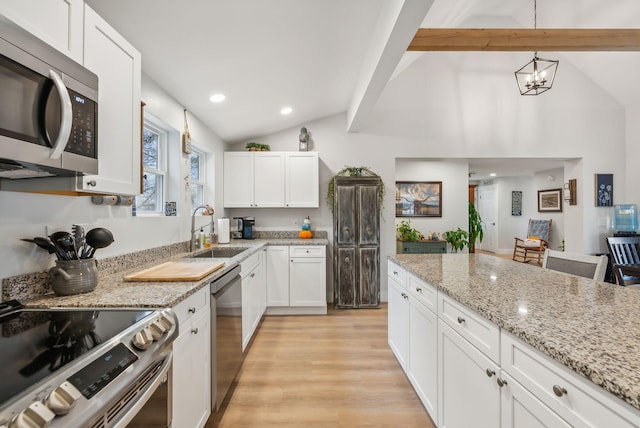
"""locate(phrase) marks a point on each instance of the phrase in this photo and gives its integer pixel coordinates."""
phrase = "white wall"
(455, 181)
(24, 215)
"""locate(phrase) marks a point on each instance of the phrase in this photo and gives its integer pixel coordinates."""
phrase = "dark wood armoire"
(356, 242)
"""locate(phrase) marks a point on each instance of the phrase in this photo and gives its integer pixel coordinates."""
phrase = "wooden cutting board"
(176, 271)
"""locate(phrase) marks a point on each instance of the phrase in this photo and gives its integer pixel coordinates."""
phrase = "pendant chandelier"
(536, 76)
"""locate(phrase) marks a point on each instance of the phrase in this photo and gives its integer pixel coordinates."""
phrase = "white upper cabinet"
(57, 22)
(118, 66)
(302, 186)
(271, 179)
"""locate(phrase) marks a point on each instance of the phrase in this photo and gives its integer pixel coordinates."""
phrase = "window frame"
(201, 183)
(162, 165)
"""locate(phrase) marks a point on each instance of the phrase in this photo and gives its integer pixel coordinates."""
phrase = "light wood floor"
(322, 371)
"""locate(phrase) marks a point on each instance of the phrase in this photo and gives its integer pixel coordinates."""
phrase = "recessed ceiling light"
(286, 110)
(217, 98)
(493, 174)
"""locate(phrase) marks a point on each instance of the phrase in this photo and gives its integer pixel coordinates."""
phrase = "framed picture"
(516, 202)
(550, 200)
(604, 190)
(418, 198)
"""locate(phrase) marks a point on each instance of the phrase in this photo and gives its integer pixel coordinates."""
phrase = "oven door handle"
(142, 399)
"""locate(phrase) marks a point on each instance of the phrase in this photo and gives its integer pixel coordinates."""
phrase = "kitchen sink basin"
(220, 253)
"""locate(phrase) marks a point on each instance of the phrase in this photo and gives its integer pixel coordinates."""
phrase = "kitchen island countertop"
(113, 292)
(591, 327)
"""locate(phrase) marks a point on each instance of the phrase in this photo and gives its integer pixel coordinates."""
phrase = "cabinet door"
(302, 175)
(238, 179)
(469, 396)
(56, 22)
(398, 313)
(520, 409)
(307, 281)
(369, 272)
(345, 287)
(345, 213)
(369, 218)
(268, 179)
(250, 304)
(191, 373)
(118, 66)
(277, 275)
(423, 355)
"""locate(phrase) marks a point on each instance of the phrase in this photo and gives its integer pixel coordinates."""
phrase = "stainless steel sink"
(220, 253)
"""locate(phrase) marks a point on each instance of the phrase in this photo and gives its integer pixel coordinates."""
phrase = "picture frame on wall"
(418, 198)
(516, 202)
(604, 190)
(550, 200)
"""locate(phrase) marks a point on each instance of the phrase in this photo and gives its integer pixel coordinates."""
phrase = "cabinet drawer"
(481, 333)
(307, 251)
(574, 398)
(398, 273)
(193, 304)
(423, 292)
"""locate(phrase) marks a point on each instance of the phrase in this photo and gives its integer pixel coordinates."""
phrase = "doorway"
(487, 207)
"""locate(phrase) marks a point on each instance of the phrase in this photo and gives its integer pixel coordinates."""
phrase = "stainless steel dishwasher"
(226, 334)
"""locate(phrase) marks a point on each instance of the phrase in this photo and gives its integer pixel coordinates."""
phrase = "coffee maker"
(243, 227)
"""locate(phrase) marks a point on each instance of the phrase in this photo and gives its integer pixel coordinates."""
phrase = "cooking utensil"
(64, 241)
(43, 243)
(78, 236)
(98, 238)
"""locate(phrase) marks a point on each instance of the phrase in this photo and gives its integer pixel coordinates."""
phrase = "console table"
(421, 247)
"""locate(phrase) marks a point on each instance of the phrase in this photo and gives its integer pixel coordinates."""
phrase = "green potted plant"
(407, 233)
(475, 228)
(458, 239)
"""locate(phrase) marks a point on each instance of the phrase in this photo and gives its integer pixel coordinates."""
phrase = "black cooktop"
(34, 343)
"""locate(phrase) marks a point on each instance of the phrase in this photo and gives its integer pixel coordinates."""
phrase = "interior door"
(487, 206)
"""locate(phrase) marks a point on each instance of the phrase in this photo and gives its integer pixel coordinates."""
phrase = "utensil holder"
(69, 277)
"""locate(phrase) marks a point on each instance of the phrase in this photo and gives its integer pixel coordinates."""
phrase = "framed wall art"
(604, 190)
(418, 198)
(550, 200)
(516, 202)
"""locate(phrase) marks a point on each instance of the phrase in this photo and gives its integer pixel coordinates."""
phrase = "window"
(197, 175)
(154, 143)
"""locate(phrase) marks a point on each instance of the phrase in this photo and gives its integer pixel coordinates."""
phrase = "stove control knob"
(63, 398)
(37, 415)
(157, 329)
(143, 339)
(167, 321)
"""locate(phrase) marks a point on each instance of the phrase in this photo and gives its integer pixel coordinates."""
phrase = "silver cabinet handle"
(501, 382)
(346, 229)
(559, 390)
(194, 330)
(461, 320)
(419, 290)
(490, 372)
(395, 273)
(252, 274)
(404, 295)
(192, 310)
(91, 183)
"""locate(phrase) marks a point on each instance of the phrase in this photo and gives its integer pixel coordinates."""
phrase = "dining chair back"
(624, 250)
(584, 265)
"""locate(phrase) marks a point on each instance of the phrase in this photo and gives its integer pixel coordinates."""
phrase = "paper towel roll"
(223, 230)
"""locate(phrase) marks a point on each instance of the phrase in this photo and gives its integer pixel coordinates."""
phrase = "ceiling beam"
(545, 40)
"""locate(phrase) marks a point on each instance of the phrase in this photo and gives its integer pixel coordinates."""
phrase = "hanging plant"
(352, 171)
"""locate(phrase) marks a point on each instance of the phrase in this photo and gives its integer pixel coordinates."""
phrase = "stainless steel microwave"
(48, 109)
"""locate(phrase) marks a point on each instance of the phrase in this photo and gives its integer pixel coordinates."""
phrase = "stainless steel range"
(85, 367)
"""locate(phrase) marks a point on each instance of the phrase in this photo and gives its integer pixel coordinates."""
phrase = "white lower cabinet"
(398, 314)
(296, 279)
(192, 361)
(253, 296)
(469, 395)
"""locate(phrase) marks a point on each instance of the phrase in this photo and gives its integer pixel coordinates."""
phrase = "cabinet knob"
(559, 390)
(461, 320)
(490, 372)
(395, 272)
(419, 290)
(501, 382)
(194, 330)
(404, 296)
(91, 183)
(346, 259)
(253, 274)
(346, 229)
(192, 310)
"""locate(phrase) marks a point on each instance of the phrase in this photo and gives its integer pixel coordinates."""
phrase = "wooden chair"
(624, 251)
(537, 241)
(593, 267)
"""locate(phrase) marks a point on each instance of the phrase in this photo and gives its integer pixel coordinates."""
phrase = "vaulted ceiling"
(332, 56)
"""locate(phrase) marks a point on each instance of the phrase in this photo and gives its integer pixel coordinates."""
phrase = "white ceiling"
(309, 54)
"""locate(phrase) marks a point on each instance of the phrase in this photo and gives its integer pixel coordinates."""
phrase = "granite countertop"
(113, 292)
(589, 326)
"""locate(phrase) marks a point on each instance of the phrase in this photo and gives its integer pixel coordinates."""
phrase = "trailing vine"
(352, 171)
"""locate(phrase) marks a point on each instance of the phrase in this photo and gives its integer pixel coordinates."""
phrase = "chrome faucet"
(209, 210)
